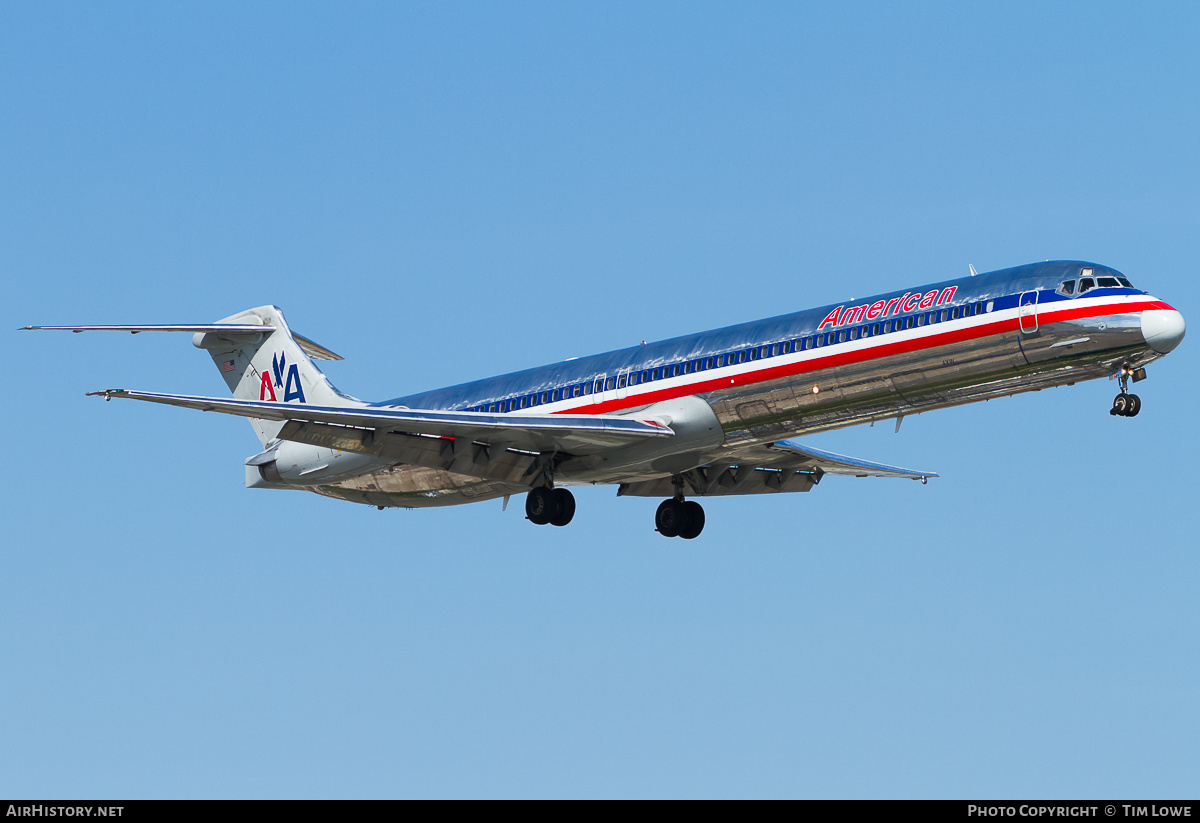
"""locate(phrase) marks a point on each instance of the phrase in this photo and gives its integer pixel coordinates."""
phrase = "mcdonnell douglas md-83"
(706, 414)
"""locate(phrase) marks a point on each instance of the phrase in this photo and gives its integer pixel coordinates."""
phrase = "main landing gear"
(545, 505)
(677, 517)
(1126, 404)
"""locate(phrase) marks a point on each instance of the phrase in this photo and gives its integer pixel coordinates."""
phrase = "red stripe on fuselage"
(877, 351)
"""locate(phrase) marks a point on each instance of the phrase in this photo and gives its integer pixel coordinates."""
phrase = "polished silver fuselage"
(863, 374)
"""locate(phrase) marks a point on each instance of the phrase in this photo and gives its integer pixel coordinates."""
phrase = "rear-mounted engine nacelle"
(300, 464)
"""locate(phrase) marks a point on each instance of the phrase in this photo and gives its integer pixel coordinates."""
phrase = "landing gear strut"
(677, 517)
(1125, 404)
(554, 506)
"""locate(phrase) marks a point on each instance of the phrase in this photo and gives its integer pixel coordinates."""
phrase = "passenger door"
(1027, 312)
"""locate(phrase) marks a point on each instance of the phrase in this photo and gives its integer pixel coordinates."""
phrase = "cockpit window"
(1086, 283)
(1107, 282)
(1124, 281)
(1067, 287)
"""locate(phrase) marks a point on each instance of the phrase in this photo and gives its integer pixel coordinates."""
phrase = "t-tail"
(260, 359)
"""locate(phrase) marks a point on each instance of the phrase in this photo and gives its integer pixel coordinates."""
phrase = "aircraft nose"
(1163, 329)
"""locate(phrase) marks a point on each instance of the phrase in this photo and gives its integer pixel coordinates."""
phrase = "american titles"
(843, 316)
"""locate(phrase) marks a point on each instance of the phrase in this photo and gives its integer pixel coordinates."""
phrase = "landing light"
(816, 389)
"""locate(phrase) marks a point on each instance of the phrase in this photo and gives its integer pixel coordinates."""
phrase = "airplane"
(702, 415)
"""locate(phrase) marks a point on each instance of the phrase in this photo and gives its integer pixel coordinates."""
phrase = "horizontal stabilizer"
(577, 434)
(231, 331)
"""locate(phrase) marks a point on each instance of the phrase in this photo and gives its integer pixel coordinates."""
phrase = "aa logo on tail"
(292, 390)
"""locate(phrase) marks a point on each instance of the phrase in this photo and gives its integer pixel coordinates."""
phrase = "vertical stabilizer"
(273, 365)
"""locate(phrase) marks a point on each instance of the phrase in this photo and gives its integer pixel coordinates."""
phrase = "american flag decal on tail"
(227, 365)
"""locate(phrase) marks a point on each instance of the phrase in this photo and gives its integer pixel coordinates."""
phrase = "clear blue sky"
(441, 192)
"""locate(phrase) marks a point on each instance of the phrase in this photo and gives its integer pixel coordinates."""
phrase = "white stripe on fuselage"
(740, 374)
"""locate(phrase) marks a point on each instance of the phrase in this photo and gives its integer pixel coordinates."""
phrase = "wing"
(830, 463)
(783, 466)
(359, 428)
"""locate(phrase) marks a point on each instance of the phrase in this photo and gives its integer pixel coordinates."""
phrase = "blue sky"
(444, 192)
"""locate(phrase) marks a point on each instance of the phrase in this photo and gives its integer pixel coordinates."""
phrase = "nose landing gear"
(1126, 404)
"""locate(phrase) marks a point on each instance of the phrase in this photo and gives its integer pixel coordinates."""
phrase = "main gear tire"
(695, 520)
(565, 502)
(671, 518)
(541, 506)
